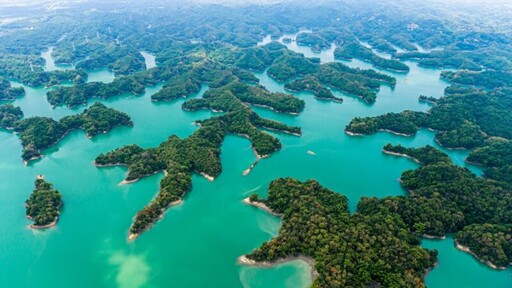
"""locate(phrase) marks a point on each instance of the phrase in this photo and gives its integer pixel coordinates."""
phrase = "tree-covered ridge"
(488, 79)
(28, 69)
(200, 152)
(368, 248)
(9, 93)
(354, 49)
(313, 40)
(496, 157)
(490, 243)
(405, 123)
(312, 84)
(40, 133)
(100, 53)
(80, 93)
(473, 61)
(284, 65)
(445, 198)
(182, 75)
(188, 80)
(463, 119)
(424, 155)
(244, 93)
(43, 205)
(9, 114)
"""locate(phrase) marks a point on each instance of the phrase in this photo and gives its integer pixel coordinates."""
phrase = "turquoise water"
(197, 243)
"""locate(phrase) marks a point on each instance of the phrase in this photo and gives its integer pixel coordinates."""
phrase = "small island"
(354, 49)
(9, 93)
(43, 205)
(39, 133)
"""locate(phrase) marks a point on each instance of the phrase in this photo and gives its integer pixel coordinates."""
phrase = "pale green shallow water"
(198, 242)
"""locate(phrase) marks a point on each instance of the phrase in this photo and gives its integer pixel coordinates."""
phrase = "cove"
(197, 243)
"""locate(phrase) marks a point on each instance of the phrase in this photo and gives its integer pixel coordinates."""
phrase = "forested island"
(40, 133)
(347, 250)
(220, 46)
(43, 205)
(28, 69)
(464, 118)
(9, 93)
(312, 84)
(200, 152)
(354, 49)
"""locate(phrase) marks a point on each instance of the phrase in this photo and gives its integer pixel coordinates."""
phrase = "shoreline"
(262, 206)
(258, 156)
(467, 250)
(243, 260)
(433, 237)
(248, 170)
(395, 133)
(208, 177)
(49, 225)
(401, 155)
(133, 236)
(124, 182)
(353, 133)
(449, 148)
(334, 98)
(272, 109)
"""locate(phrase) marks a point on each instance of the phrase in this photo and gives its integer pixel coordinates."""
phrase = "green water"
(197, 243)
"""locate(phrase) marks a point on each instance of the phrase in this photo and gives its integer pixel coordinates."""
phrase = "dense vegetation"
(28, 69)
(39, 133)
(201, 151)
(9, 115)
(487, 79)
(316, 42)
(100, 53)
(406, 123)
(312, 84)
(215, 44)
(445, 198)
(348, 250)
(492, 243)
(424, 155)
(462, 119)
(9, 93)
(355, 50)
(496, 157)
(43, 205)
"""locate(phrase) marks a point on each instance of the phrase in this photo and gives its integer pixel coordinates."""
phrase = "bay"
(197, 243)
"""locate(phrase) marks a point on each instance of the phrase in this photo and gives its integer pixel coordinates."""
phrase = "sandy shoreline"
(243, 260)
(353, 133)
(400, 155)
(428, 236)
(248, 170)
(467, 250)
(133, 236)
(49, 225)
(208, 177)
(449, 148)
(396, 133)
(261, 206)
